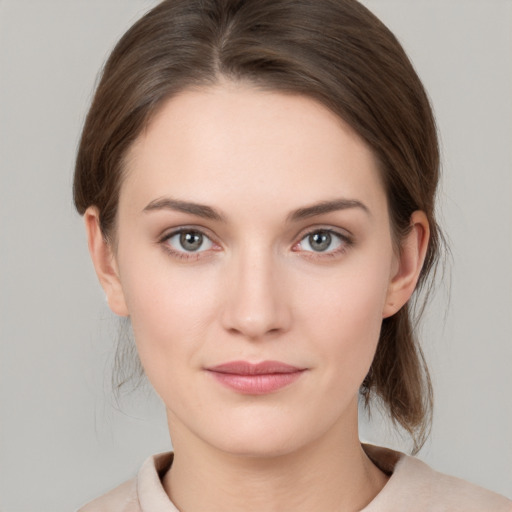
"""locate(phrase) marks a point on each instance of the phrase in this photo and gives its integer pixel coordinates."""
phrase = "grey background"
(62, 439)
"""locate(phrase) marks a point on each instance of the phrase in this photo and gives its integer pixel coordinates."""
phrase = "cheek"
(344, 317)
(170, 310)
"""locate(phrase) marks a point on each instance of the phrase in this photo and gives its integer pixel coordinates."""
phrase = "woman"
(258, 183)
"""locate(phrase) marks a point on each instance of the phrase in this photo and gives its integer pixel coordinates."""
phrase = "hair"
(334, 51)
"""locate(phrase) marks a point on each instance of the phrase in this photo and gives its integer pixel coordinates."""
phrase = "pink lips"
(255, 379)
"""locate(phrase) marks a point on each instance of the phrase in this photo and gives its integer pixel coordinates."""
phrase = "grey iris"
(320, 240)
(191, 240)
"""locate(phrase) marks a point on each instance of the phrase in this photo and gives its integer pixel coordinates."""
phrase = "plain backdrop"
(63, 440)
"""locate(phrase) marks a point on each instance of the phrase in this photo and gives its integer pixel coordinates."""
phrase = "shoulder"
(121, 499)
(414, 485)
(142, 494)
(451, 493)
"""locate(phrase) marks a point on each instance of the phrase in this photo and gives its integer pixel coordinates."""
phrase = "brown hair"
(334, 51)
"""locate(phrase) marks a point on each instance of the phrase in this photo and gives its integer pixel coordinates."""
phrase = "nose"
(256, 304)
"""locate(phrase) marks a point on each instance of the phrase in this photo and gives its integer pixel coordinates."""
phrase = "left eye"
(321, 240)
(189, 241)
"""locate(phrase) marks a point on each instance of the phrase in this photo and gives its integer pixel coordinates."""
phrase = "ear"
(104, 261)
(408, 265)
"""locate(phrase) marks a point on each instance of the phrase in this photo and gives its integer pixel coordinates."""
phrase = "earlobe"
(104, 263)
(410, 262)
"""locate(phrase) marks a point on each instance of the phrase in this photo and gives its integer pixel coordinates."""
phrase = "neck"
(331, 474)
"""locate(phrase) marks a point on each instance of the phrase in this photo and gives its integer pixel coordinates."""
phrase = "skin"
(257, 289)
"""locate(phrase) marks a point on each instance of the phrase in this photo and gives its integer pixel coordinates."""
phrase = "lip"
(255, 378)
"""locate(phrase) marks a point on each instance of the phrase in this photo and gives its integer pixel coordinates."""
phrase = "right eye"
(186, 241)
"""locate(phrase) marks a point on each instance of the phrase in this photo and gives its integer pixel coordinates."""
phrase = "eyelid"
(170, 232)
(342, 233)
(346, 239)
(187, 255)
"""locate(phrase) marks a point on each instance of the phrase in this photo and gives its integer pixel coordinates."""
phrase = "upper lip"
(247, 368)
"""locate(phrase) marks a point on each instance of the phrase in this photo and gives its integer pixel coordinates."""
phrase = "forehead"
(235, 143)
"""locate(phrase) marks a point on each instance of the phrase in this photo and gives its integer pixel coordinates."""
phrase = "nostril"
(266, 323)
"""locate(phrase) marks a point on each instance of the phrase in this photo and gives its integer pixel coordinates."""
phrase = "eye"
(323, 241)
(188, 240)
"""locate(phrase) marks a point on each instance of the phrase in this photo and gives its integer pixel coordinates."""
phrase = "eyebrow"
(326, 207)
(207, 212)
(200, 210)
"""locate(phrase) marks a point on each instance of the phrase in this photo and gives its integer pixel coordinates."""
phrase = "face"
(255, 260)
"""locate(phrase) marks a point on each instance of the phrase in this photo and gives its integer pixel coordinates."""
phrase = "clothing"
(412, 487)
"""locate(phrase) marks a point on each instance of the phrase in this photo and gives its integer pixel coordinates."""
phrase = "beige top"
(413, 486)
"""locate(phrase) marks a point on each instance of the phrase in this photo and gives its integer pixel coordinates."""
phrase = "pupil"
(191, 241)
(320, 241)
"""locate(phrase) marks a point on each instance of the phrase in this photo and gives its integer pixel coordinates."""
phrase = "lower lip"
(256, 384)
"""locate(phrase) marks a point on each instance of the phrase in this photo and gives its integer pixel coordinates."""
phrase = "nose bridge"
(256, 304)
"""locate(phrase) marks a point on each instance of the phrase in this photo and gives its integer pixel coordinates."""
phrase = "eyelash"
(345, 240)
(184, 255)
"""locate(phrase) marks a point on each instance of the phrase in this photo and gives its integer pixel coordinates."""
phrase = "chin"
(263, 439)
(259, 448)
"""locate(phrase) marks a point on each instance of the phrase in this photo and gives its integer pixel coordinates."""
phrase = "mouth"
(255, 379)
